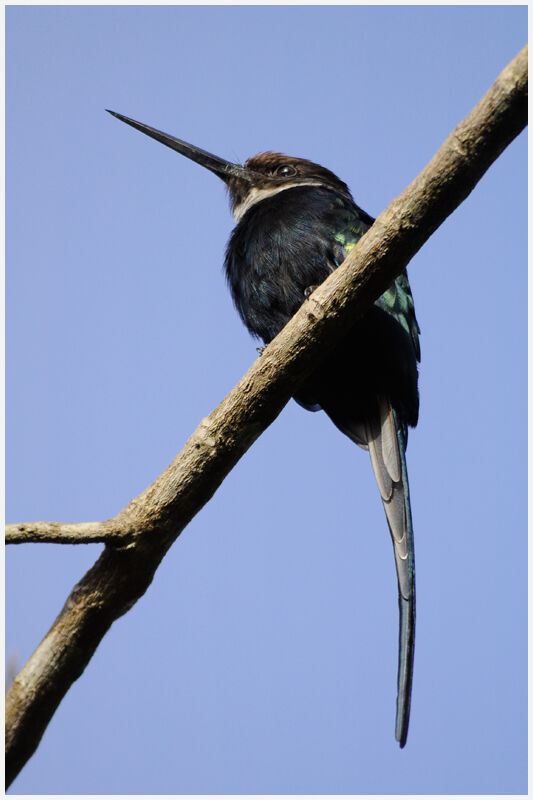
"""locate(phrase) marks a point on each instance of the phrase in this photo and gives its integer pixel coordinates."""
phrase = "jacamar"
(296, 222)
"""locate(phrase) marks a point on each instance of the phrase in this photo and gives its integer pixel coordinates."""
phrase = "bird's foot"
(260, 350)
(309, 291)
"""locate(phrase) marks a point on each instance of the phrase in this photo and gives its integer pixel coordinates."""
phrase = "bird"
(296, 222)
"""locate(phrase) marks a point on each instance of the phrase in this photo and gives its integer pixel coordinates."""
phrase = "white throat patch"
(256, 195)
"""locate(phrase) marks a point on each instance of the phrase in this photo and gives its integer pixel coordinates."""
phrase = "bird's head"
(259, 177)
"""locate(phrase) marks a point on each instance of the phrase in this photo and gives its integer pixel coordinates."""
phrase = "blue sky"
(263, 657)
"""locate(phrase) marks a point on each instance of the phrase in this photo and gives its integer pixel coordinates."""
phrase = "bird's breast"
(281, 247)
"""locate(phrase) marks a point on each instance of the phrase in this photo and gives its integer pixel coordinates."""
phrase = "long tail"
(385, 437)
(386, 441)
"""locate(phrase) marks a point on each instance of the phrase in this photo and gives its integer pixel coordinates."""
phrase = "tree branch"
(139, 536)
(67, 532)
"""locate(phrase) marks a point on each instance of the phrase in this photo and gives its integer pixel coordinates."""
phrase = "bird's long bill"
(224, 169)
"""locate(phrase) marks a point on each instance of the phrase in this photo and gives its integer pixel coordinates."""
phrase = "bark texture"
(139, 536)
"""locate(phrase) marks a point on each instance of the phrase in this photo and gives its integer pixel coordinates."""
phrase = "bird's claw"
(309, 291)
(260, 350)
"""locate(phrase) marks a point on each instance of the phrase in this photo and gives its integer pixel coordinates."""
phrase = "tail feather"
(387, 453)
(385, 437)
(405, 667)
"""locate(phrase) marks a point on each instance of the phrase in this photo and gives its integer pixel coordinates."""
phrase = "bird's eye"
(285, 171)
